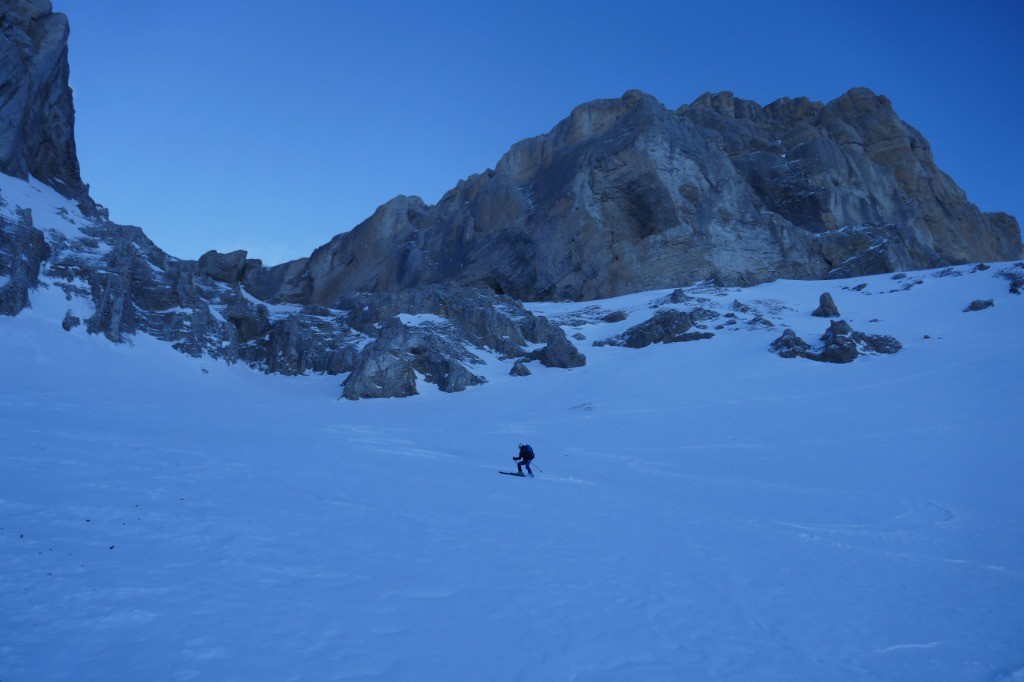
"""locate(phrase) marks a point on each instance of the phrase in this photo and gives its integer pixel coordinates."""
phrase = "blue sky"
(273, 126)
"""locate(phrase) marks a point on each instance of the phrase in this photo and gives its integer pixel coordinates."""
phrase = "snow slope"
(706, 511)
(50, 210)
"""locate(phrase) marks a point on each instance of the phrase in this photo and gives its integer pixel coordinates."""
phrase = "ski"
(512, 473)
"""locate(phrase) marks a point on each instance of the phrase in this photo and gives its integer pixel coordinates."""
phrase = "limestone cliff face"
(623, 195)
(37, 115)
(626, 195)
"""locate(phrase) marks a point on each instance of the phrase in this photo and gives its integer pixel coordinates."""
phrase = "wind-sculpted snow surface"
(705, 511)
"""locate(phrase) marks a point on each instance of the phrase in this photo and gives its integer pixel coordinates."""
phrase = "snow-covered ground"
(706, 511)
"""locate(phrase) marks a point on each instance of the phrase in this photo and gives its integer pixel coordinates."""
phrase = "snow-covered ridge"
(117, 283)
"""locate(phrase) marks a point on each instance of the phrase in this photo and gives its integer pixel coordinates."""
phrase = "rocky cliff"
(627, 195)
(37, 114)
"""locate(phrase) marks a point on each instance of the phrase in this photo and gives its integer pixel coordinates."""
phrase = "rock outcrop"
(559, 352)
(826, 307)
(665, 326)
(840, 344)
(789, 345)
(1015, 275)
(23, 249)
(979, 304)
(389, 365)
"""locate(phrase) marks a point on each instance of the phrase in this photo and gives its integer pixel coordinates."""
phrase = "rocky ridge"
(201, 308)
(623, 196)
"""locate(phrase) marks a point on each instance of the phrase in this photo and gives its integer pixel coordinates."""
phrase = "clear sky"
(272, 126)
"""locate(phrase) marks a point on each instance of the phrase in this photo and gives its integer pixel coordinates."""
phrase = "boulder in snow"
(826, 307)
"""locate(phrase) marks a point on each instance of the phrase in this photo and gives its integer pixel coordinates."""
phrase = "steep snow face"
(704, 510)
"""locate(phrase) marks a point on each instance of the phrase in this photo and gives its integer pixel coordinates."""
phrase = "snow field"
(706, 511)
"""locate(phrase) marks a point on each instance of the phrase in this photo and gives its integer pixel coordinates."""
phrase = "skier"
(524, 459)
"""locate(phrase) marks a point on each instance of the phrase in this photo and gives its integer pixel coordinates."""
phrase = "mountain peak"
(624, 195)
(584, 122)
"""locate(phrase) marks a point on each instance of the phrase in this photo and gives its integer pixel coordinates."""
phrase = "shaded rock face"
(23, 249)
(840, 344)
(390, 364)
(37, 115)
(441, 340)
(626, 195)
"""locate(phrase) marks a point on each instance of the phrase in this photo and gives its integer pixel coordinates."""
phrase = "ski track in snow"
(706, 511)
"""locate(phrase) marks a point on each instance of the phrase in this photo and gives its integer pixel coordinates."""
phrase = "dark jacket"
(525, 453)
